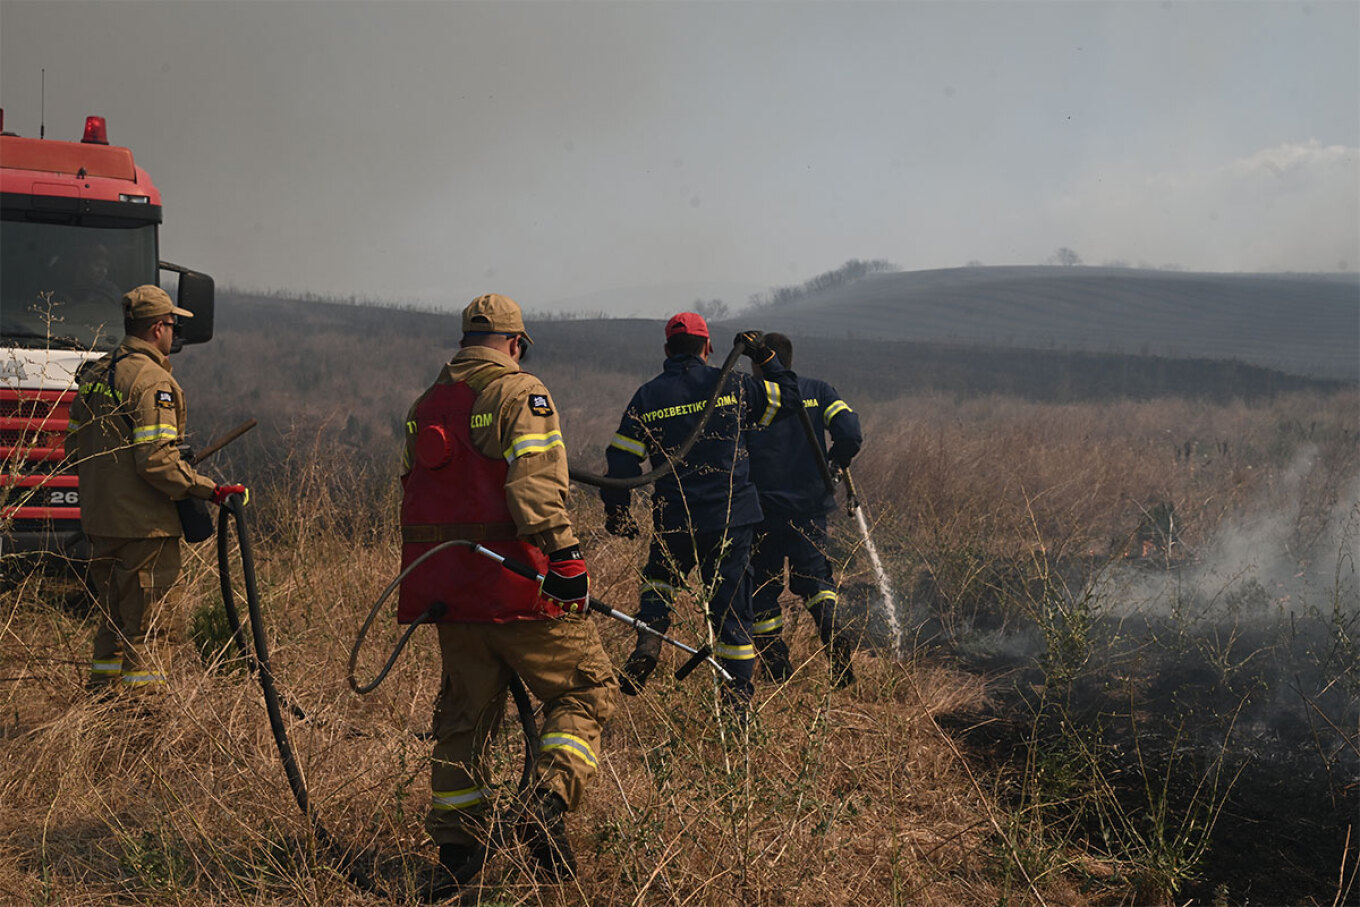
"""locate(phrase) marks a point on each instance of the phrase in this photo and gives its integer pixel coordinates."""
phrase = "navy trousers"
(723, 559)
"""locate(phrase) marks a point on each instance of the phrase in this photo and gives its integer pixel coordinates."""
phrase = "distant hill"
(1302, 324)
(885, 368)
(344, 374)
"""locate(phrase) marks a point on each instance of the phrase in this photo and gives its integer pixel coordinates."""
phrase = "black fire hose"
(677, 455)
(260, 666)
(523, 706)
(517, 690)
(697, 656)
(238, 634)
(813, 442)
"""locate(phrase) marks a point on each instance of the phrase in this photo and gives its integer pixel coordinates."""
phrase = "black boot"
(543, 829)
(774, 657)
(839, 649)
(640, 664)
(840, 652)
(458, 864)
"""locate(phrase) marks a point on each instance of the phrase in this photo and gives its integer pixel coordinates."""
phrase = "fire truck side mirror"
(196, 295)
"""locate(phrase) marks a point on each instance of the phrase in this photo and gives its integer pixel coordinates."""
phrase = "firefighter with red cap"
(484, 461)
(703, 510)
(126, 424)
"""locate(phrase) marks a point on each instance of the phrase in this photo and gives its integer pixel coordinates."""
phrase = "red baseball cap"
(687, 323)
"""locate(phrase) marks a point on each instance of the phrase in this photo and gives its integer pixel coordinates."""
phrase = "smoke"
(1299, 551)
(1249, 643)
(1288, 207)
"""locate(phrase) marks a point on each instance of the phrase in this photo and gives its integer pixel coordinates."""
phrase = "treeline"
(883, 369)
(851, 271)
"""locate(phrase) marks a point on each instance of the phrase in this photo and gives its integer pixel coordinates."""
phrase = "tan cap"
(148, 301)
(494, 314)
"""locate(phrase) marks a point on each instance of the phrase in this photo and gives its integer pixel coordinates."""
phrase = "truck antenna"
(42, 106)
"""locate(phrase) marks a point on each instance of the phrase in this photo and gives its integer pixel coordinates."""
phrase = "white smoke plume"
(1261, 549)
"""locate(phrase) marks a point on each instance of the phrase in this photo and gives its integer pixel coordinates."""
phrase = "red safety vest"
(454, 491)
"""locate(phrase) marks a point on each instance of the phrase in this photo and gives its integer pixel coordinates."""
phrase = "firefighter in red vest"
(484, 461)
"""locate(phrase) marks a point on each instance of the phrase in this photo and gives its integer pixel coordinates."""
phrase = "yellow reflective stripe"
(628, 445)
(143, 678)
(406, 462)
(532, 444)
(665, 590)
(824, 595)
(835, 410)
(773, 394)
(772, 625)
(106, 667)
(467, 798)
(572, 744)
(73, 425)
(155, 433)
(734, 653)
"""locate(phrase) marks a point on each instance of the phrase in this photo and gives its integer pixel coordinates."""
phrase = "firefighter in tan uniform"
(484, 461)
(126, 422)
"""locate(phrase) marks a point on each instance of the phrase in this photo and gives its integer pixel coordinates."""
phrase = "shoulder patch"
(165, 399)
(539, 405)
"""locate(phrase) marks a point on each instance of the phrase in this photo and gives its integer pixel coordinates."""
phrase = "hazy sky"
(564, 152)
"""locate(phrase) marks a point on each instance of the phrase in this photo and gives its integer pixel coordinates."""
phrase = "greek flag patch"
(539, 406)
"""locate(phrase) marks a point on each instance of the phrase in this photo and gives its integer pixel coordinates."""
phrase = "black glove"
(618, 520)
(567, 581)
(755, 348)
(840, 455)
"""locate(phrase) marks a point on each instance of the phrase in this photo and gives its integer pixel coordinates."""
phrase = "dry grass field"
(846, 797)
(975, 770)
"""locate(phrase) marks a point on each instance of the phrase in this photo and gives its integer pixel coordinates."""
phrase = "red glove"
(566, 581)
(222, 492)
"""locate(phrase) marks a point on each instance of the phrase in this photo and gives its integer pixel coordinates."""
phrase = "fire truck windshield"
(61, 285)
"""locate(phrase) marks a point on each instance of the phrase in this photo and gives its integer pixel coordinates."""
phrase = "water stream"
(884, 586)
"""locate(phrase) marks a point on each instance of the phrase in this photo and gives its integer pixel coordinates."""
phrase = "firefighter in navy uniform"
(126, 423)
(484, 461)
(703, 511)
(796, 501)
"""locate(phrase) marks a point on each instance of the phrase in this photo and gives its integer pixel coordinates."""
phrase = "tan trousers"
(140, 618)
(563, 664)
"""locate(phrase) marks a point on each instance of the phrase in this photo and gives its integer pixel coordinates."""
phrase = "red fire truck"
(78, 228)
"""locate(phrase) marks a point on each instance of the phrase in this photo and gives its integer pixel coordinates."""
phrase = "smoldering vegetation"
(1193, 696)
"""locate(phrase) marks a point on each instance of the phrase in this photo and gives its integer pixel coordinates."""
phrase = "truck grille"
(33, 429)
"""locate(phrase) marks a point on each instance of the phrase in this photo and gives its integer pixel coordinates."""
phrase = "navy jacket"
(785, 469)
(712, 489)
